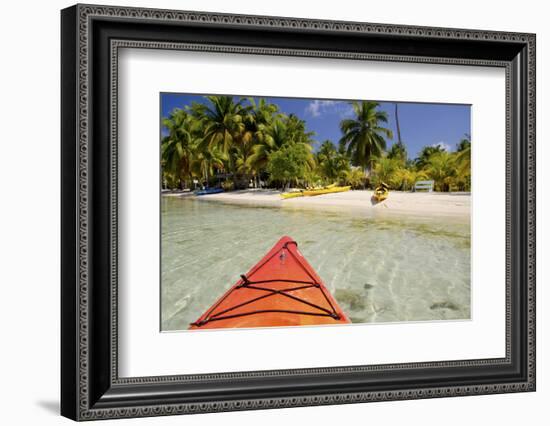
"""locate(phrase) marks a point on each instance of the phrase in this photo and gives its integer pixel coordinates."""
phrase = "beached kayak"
(327, 190)
(208, 191)
(282, 289)
(381, 192)
(294, 194)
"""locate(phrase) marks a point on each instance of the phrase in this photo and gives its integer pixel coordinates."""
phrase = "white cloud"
(318, 107)
(443, 145)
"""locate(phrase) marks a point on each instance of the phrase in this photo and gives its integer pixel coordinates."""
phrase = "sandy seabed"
(407, 258)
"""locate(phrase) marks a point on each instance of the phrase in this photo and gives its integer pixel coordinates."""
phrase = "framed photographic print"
(263, 212)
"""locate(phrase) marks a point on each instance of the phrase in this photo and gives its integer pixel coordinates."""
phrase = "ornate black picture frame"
(91, 36)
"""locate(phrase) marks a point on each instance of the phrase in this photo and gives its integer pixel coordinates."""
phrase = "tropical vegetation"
(246, 142)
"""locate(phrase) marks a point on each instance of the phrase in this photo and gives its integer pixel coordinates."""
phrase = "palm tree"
(464, 142)
(258, 118)
(296, 130)
(178, 146)
(355, 177)
(441, 168)
(326, 150)
(398, 151)
(221, 121)
(208, 160)
(273, 139)
(282, 131)
(331, 163)
(463, 156)
(399, 141)
(384, 169)
(423, 158)
(261, 114)
(363, 136)
(404, 178)
(326, 157)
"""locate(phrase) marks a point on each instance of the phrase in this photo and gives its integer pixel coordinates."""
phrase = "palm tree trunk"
(206, 174)
(397, 125)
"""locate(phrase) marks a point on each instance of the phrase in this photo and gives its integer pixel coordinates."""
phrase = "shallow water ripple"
(378, 269)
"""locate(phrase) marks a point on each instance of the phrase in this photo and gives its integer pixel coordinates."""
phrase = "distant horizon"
(421, 124)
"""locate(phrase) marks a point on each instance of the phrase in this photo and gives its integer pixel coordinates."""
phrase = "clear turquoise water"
(378, 269)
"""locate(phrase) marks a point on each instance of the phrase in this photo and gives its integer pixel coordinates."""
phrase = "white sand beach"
(400, 203)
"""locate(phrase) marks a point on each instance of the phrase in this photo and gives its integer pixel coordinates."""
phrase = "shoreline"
(455, 205)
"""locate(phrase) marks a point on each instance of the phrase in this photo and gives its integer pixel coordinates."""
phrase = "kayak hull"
(209, 191)
(380, 194)
(286, 195)
(323, 191)
(281, 290)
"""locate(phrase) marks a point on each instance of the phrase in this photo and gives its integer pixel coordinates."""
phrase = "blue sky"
(421, 123)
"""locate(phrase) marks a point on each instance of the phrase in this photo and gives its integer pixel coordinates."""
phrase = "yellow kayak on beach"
(381, 192)
(295, 194)
(327, 190)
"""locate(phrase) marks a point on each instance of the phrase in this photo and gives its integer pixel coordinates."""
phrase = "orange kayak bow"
(281, 290)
